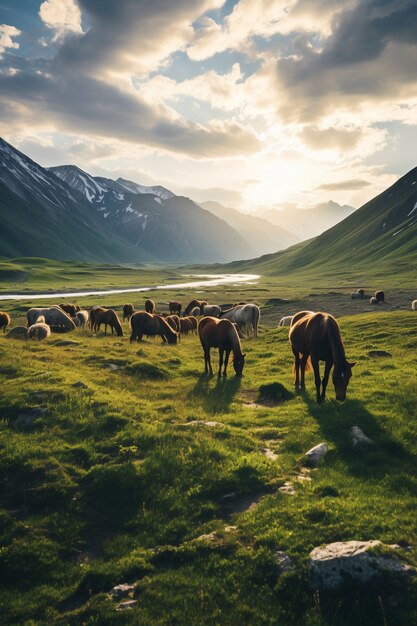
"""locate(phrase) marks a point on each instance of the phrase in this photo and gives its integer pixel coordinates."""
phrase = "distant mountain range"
(381, 235)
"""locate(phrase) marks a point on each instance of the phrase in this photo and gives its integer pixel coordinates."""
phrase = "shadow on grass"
(374, 462)
(217, 398)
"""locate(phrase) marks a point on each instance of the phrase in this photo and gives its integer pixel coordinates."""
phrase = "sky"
(253, 103)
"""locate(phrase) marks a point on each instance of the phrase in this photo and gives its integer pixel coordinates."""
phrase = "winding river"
(206, 280)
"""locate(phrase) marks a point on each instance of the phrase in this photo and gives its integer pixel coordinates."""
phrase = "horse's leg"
(221, 352)
(303, 363)
(327, 368)
(209, 362)
(226, 362)
(317, 380)
(296, 369)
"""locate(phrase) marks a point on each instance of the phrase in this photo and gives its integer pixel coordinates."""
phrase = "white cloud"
(62, 16)
(6, 37)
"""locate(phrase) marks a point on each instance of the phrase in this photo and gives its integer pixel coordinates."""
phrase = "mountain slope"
(157, 190)
(262, 235)
(382, 234)
(307, 223)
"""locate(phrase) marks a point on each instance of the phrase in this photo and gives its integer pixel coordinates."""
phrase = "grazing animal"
(373, 300)
(91, 316)
(191, 305)
(355, 295)
(299, 315)
(317, 335)
(194, 323)
(285, 321)
(361, 291)
(244, 315)
(175, 308)
(188, 324)
(128, 310)
(212, 310)
(4, 320)
(108, 317)
(174, 322)
(54, 316)
(221, 334)
(195, 312)
(143, 323)
(81, 319)
(70, 309)
(38, 331)
(238, 304)
(380, 296)
(414, 305)
(150, 306)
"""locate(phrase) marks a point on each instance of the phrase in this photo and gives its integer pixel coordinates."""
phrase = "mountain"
(262, 235)
(157, 190)
(379, 236)
(173, 229)
(307, 223)
(41, 216)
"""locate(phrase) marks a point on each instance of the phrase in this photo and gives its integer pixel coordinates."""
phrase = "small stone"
(287, 488)
(230, 529)
(113, 366)
(379, 353)
(127, 605)
(314, 456)
(285, 562)
(209, 423)
(122, 590)
(208, 537)
(270, 454)
(359, 438)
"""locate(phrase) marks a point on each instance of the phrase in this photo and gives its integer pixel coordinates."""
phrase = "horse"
(192, 304)
(374, 300)
(299, 315)
(212, 310)
(317, 335)
(38, 331)
(54, 316)
(108, 317)
(175, 308)
(92, 314)
(221, 334)
(355, 295)
(4, 320)
(81, 319)
(380, 296)
(128, 310)
(70, 309)
(244, 315)
(143, 323)
(188, 325)
(174, 322)
(150, 306)
(414, 305)
(285, 321)
(195, 312)
(194, 323)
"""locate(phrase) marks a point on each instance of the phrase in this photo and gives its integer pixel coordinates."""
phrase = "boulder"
(342, 563)
(314, 456)
(359, 438)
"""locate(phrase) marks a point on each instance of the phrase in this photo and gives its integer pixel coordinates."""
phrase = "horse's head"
(341, 377)
(238, 364)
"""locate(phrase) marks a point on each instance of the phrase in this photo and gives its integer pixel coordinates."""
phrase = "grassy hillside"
(137, 469)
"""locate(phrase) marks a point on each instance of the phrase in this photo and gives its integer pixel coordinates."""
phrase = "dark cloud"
(351, 185)
(371, 54)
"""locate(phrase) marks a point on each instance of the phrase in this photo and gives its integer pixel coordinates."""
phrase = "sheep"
(38, 331)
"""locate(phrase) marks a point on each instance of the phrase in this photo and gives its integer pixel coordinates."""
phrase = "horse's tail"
(255, 320)
(308, 364)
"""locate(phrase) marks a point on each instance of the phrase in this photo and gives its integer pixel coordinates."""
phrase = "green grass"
(116, 482)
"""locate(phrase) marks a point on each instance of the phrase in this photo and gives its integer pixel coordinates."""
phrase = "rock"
(359, 438)
(287, 488)
(127, 605)
(341, 563)
(379, 353)
(121, 591)
(314, 456)
(304, 475)
(79, 385)
(113, 366)
(211, 537)
(230, 529)
(285, 562)
(210, 424)
(270, 454)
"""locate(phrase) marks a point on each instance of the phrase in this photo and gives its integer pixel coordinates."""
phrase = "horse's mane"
(335, 337)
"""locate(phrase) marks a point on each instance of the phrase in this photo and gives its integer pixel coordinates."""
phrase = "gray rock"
(127, 605)
(359, 438)
(336, 564)
(122, 591)
(314, 456)
(285, 562)
(287, 488)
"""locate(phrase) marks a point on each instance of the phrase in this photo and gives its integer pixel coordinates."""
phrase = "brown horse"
(4, 320)
(143, 323)
(192, 304)
(186, 325)
(175, 308)
(380, 296)
(299, 315)
(108, 317)
(317, 335)
(128, 310)
(150, 306)
(174, 322)
(70, 309)
(221, 334)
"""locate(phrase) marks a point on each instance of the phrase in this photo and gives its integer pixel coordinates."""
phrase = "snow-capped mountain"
(157, 190)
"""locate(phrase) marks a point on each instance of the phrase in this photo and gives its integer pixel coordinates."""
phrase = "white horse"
(414, 305)
(212, 310)
(54, 316)
(373, 300)
(39, 331)
(81, 318)
(285, 321)
(244, 315)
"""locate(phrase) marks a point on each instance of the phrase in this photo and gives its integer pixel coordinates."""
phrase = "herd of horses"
(313, 336)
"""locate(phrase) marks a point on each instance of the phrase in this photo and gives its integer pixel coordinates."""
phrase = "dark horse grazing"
(317, 335)
(380, 296)
(192, 304)
(150, 306)
(70, 309)
(128, 310)
(144, 323)
(108, 317)
(174, 322)
(221, 334)
(175, 308)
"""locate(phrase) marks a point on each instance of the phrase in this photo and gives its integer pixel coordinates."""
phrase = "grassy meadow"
(124, 464)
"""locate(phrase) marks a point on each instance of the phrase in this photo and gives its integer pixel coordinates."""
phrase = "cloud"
(325, 138)
(62, 16)
(344, 185)
(6, 37)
